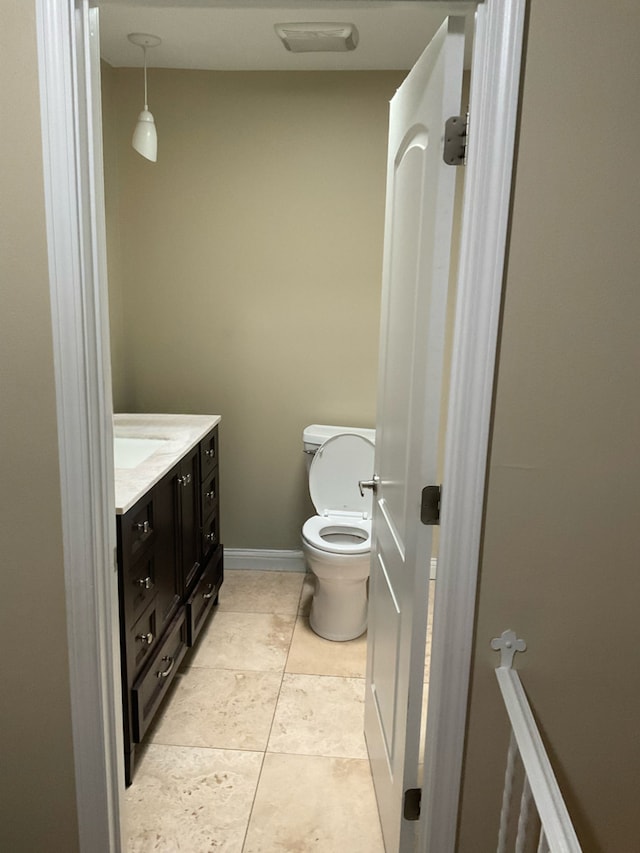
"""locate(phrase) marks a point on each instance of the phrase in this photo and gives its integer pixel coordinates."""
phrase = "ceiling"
(238, 35)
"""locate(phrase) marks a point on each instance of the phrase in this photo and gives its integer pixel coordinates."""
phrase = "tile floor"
(246, 756)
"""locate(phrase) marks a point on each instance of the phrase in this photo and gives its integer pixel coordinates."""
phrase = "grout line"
(273, 716)
(253, 802)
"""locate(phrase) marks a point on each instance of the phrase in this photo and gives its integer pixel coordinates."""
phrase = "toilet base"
(339, 609)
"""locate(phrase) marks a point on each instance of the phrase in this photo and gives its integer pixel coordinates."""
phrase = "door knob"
(369, 484)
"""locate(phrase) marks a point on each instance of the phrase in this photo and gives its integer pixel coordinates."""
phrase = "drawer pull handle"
(210, 495)
(164, 673)
(210, 537)
(210, 453)
(208, 595)
(184, 481)
(147, 639)
(143, 527)
(145, 583)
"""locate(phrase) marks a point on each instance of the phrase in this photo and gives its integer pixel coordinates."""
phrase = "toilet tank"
(315, 435)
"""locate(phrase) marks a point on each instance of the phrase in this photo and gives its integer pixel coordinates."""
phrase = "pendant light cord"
(144, 51)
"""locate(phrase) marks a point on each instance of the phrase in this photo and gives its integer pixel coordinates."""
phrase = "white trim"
(83, 396)
(264, 560)
(495, 78)
(434, 568)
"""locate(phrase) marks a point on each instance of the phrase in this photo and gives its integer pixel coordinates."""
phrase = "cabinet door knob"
(147, 639)
(210, 495)
(164, 673)
(210, 453)
(184, 481)
(143, 527)
(145, 583)
(210, 537)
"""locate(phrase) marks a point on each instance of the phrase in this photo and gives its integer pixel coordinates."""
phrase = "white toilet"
(337, 541)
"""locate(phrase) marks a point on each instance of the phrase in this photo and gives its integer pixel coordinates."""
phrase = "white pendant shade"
(145, 137)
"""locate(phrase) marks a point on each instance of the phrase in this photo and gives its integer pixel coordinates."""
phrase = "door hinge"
(430, 505)
(411, 807)
(455, 140)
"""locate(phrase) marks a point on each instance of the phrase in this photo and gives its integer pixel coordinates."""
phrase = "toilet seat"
(343, 523)
(340, 526)
(337, 467)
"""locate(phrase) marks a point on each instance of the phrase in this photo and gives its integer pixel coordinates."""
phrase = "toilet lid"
(336, 468)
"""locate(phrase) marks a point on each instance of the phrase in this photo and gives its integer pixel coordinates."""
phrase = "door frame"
(494, 101)
(72, 165)
(68, 49)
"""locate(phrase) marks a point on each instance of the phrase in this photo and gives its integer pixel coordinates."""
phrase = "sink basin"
(130, 452)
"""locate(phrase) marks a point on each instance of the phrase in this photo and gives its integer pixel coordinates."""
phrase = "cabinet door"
(167, 568)
(189, 513)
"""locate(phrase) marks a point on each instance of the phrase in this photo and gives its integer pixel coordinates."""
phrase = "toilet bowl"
(336, 542)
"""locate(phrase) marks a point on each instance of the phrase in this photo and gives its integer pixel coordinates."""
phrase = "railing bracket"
(508, 644)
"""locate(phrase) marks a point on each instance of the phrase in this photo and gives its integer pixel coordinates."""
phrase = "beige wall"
(37, 793)
(562, 534)
(250, 265)
(112, 216)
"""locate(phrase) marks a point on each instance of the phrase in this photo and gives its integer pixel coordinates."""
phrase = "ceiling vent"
(308, 38)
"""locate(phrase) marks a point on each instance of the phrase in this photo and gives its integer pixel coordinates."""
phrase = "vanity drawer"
(204, 596)
(209, 493)
(210, 535)
(142, 639)
(136, 529)
(138, 587)
(208, 453)
(152, 684)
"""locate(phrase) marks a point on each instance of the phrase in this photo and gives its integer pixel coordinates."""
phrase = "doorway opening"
(502, 127)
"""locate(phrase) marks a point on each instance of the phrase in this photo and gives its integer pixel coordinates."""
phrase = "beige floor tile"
(191, 800)
(319, 715)
(219, 708)
(255, 641)
(314, 655)
(308, 803)
(261, 592)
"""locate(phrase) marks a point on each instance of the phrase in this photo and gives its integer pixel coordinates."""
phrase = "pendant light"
(145, 137)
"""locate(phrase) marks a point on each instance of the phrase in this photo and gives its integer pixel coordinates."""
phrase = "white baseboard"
(274, 561)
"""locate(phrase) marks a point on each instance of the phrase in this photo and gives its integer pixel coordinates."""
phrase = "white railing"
(541, 822)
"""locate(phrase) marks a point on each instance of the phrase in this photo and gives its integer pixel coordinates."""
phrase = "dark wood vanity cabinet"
(170, 569)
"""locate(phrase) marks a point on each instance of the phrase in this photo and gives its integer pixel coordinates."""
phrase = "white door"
(419, 211)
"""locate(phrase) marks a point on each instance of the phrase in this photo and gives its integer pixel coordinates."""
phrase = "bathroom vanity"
(170, 560)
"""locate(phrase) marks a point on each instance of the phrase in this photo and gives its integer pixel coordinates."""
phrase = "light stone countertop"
(179, 432)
